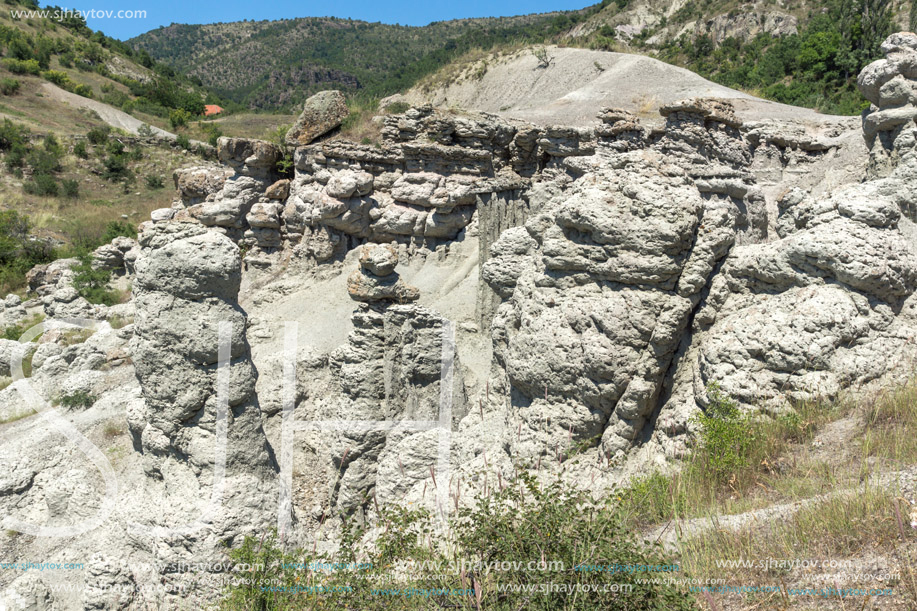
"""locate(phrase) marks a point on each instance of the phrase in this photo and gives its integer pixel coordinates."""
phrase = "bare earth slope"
(578, 82)
(113, 116)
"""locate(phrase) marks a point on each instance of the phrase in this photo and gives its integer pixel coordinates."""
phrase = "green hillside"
(68, 180)
(278, 64)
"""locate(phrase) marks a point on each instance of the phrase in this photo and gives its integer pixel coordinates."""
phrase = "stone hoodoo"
(609, 255)
(376, 279)
(186, 287)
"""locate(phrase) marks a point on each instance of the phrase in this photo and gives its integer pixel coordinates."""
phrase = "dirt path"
(670, 533)
(112, 116)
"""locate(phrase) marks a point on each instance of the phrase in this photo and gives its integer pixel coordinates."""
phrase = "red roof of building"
(212, 109)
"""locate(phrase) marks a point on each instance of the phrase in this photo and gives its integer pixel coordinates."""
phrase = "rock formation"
(520, 290)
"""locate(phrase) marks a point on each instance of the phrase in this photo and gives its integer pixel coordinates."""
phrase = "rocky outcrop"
(118, 255)
(619, 216)
(199, 427)
(600, 289)
(187, 285)
(195, 184)
(889, 86)
(388, 372)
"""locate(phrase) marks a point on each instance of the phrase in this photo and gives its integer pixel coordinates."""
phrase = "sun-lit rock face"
(476, 292)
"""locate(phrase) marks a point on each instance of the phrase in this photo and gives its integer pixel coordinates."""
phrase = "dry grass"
(768, 477)
(470, 66)
(112, 429)
(72, 337)
(99, 201)
(42, 114)
(360, 126)
(891, 423)
(237, 125)
(836, 527)
(119, 322)
(839, 501)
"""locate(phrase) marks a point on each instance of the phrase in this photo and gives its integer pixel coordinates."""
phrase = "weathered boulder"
(348, 183)
(379, 260)
(322, 113)
(111, 256)
(388, 371)
(279, 190)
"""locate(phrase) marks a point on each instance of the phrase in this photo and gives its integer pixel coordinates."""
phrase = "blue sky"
(164, 12)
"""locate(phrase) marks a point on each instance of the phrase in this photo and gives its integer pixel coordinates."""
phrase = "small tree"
(179, 118)
(543, 57)
(92, 283)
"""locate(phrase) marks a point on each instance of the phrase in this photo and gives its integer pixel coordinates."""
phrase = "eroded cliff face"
(621, 270)
(474, 294)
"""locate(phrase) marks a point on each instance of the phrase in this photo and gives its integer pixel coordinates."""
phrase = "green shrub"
(70, 188)
(115, 147)
(20, 66)
(118, 99)
(98, 135)
(727, 435)
(18, 252)
(43, 161)
(11, 134)
(52, 145)
(182, 141)
(284, 165)
(83, 90)
(116, 229)
(9, 86)
(155, 182)
(215, 133)
(397, 108)
(80, 149)
(14, 332)
(42, 185)
(115, 167)
(14, 139)
(179, 118)
(57, 77)
(521, 523)
(77, 399)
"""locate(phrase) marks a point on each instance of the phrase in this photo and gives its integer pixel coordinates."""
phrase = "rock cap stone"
(322, 113)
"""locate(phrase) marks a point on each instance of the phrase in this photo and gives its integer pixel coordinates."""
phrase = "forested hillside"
(803, 53)
(277, 64)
